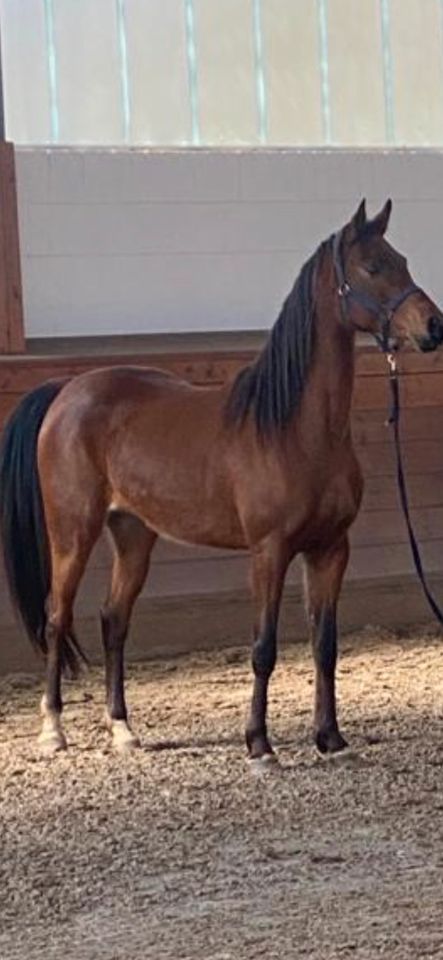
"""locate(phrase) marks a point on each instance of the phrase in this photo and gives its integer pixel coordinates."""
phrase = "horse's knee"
(264, 655)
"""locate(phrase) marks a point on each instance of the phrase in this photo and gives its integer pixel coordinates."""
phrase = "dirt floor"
(180, 852)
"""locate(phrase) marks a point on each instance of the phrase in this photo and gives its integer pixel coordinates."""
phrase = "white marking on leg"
(52, 737)
(107, 720)
(122, 736)
(268, 763)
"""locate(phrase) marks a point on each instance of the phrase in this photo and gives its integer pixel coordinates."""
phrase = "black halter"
(384, 311)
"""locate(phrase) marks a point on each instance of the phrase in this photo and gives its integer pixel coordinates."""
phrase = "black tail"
(22, 522)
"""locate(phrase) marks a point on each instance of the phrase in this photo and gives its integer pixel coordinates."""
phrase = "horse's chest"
(339, 503)
(328, 509)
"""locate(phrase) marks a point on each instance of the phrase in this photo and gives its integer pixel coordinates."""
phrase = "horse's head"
(377, 291)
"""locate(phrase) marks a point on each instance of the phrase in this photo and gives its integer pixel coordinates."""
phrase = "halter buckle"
(392, 363)
(344, 289)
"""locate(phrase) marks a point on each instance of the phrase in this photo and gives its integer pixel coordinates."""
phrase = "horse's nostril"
(435, 328)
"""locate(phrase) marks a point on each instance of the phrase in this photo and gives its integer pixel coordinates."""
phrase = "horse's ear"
(358, 221)
(380, 223)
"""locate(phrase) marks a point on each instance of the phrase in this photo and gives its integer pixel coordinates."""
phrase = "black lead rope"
(394, 421)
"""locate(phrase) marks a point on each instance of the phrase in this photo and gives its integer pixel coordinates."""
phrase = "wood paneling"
(166, 626)
(424, 489)
(380, 551)
(11, 307)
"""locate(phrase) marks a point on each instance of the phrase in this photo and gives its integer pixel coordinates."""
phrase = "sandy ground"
(180, 852)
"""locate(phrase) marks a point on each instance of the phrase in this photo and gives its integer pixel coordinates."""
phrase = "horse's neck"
(326, 410)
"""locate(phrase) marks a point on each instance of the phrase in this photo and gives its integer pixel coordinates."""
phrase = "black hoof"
(330, 741)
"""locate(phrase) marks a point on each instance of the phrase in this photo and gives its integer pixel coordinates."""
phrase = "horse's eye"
(372, 269)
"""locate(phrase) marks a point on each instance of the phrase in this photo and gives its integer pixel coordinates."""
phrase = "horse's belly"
(182, 510)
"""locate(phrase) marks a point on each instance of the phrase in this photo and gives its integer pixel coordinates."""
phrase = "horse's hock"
(198, 597)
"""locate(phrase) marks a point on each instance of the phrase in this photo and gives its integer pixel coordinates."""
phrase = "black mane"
(270, 390)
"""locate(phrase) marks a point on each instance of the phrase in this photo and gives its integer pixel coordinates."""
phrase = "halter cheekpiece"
(384, 311)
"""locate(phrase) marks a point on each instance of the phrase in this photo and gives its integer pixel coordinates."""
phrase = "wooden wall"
(12, 338)
(380, 586)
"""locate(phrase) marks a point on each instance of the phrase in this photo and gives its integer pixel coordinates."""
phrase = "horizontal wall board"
(170, 626)
(379, 541)
(143, 240)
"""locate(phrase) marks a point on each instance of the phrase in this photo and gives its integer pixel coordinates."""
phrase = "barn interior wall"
(116, 242)
(120, 241)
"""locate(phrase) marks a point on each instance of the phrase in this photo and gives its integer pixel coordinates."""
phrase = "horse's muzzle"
(434, 336)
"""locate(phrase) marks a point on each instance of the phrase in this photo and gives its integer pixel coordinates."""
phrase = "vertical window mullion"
(259, 65)
(191, 54)
(388, 85)
(322, 14)
(51, 55)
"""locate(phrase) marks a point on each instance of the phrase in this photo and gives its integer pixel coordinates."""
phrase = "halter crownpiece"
(383, 311)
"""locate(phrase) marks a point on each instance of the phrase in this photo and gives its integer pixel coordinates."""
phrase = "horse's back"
(123, 381)
(111, 394)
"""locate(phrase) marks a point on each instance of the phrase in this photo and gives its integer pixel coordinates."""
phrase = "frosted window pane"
(89, 74)
(417, 44)
(291, 47)
(225, 63)
(25, 71)
(356, 73)
(223, 72)
(158, 72)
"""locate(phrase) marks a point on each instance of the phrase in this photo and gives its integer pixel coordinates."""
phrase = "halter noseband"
(383, 311)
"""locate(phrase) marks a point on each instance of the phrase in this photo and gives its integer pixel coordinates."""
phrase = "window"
(223, 72)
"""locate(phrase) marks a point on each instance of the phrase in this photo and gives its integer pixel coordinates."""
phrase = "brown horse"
(265, 464)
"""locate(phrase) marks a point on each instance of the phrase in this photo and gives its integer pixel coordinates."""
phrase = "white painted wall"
(144, 241)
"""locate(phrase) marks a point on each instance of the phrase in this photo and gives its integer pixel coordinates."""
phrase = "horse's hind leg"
(132, 542)
(323, 577)
(67, 569)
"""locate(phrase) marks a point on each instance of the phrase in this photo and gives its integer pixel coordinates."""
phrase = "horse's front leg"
(323, 578)
(269, 565)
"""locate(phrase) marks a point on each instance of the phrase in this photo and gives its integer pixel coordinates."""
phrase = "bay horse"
(265, 464)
